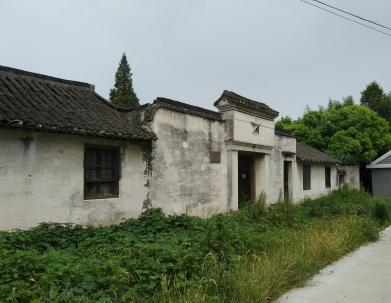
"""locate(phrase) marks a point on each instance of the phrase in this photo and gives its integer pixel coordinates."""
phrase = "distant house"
(68, 155)
(381, 175)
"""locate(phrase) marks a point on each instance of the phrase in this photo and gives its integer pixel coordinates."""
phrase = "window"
(101, 172)
(306, 177)
(327, 172)
(215, 157)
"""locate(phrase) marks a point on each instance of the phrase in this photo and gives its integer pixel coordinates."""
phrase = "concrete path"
(363, 276)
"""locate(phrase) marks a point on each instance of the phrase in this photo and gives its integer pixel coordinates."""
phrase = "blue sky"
(282, 52)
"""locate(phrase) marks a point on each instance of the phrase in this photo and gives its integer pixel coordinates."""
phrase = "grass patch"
(253, 255)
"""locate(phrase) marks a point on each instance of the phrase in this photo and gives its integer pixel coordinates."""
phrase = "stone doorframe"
(261, 170)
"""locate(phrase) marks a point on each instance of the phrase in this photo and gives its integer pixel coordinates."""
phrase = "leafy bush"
(380, 212)
(163, 258)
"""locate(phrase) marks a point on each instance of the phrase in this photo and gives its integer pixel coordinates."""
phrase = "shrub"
(380, 212)
(258, 207)
(166, 258)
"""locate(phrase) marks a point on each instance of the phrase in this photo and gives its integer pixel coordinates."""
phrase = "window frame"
(327, 176)
(115, 179)
(307, 169)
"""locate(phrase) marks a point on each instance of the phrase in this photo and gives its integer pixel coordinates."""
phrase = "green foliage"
(375, 98)
(258, 207)
(123, 94)
(166, 258)
(352, 133)
(355, 134)
(284, 122)
(372, 95)
(380, 212)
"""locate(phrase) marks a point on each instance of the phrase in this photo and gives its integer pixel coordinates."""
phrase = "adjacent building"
(381, 175)
(68, 155)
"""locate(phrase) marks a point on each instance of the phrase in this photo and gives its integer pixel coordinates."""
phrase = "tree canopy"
(352, 133)
(376, 99)
(123, 94)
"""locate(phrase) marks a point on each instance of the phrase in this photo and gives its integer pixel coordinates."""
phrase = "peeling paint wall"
(183, 178)
(41, 180)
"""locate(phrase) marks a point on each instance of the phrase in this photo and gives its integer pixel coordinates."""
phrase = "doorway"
(245, 178)
(287, 180)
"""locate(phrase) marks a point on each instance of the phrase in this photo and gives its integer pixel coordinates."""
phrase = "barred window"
(101, 172)
(306, 177)
(327, 172)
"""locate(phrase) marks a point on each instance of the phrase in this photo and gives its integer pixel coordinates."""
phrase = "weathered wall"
(352, 176)
(183, 179)
(241, 128)
(41, 180)
(318, 181)
(282, 145)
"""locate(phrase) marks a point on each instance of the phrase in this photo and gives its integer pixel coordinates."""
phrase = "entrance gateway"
(249, 137)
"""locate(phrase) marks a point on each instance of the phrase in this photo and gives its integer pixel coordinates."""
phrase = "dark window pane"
(328, 177)
(91, 189)
(306, 177)
(101, 172)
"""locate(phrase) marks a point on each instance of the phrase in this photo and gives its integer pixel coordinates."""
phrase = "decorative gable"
(248, 122)
(232, 101)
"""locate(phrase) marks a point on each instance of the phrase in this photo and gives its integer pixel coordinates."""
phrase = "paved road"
(363, 276)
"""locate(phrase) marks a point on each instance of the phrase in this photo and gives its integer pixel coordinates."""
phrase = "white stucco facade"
(41, 180)
(200, 163)
(318, 181)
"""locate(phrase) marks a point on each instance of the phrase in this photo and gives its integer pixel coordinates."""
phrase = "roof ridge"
(230, 92)
(163, 99)
(161, 102)
(21, 72)
(240, 100)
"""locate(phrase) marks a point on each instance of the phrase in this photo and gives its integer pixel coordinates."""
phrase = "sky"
(284, 53)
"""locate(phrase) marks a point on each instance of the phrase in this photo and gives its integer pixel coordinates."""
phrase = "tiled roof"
(243, 101)
(40, 102)
(283, 132)
(307, 153)
(183, 108)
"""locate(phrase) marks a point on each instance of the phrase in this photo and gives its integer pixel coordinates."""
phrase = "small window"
(327, 172)
(101, 172)
(306, 177)
(215, 157)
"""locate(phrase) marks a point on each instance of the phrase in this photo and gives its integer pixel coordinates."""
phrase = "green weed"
(252, 255)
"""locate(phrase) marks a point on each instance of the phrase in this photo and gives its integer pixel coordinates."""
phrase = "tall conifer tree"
(123, 94)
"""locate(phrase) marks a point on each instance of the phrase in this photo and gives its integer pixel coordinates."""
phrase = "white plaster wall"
(42, 181)
(276, 174)
(318, 181)
(243, 129)
(183, 179)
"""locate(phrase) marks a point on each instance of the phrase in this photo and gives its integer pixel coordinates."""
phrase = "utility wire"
(351, 14)
(346, 18)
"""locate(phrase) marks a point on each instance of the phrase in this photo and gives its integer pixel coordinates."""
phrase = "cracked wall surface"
(41, 180)
(183, 177)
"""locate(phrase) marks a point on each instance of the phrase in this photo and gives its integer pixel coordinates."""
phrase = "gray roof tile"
(307, 153)
(40, 102)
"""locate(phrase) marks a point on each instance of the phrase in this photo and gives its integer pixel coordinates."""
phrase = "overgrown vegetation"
(252, 255)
